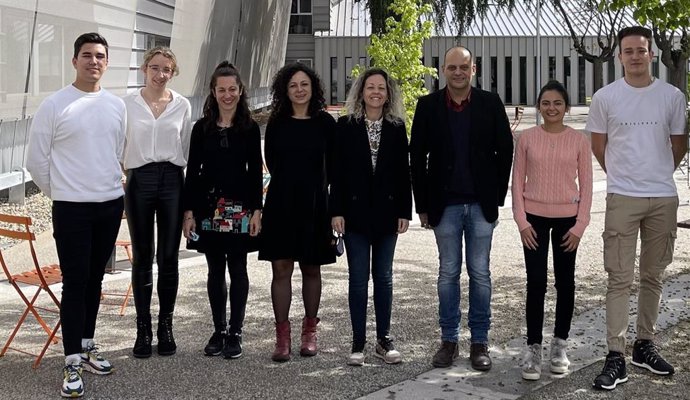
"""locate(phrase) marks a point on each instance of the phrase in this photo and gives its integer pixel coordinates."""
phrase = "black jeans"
(155, 189)
(564, 272)
(218, 289)
(84, 235)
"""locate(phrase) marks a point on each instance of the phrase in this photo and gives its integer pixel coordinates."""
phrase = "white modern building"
(503, 44)
(36, 47)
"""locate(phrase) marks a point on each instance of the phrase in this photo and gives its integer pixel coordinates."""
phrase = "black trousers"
(155, 190)
(84, 235)
(552, 229)
(218, 290)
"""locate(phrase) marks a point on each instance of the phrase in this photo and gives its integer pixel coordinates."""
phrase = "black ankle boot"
(142, 345)
(166, 341)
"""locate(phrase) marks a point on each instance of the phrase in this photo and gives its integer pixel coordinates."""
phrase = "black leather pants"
(154, 189)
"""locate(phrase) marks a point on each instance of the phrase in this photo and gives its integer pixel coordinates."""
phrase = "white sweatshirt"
(75, 145)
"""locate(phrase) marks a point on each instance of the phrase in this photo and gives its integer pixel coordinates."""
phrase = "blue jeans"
(467, 219)
(360, 249)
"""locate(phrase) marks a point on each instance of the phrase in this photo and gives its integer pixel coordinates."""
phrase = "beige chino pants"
(655, 219)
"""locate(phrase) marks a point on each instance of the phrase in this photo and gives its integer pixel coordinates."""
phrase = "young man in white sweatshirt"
(75, 147)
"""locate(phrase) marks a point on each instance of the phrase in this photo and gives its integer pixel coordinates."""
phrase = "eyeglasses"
(224, 143)
(156, 69)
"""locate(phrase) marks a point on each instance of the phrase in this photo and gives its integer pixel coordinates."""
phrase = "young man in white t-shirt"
(75, 147)
(638, 137)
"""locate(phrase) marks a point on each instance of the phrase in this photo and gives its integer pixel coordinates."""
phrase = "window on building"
(655, 67)
(434, 63)
(509, 80)
(348, 75)
(478, 74)
(334, 80)
(363, 62)
(552, 68)
(300, 17)
(566, 72)
(494, 74)
(156, 40)
(523, 80)
(306, 61)
(581, 80)
(611, 68)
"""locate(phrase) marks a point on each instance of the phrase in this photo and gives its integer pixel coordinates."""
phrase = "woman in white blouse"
(156, 150)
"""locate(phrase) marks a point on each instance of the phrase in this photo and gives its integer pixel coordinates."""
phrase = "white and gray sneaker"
(72, 384)
(558, 356)
(356, 358)
(531, 362)
(93, 361)
(387, 352)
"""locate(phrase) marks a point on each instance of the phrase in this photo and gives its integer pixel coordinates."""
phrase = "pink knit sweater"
(552, 177)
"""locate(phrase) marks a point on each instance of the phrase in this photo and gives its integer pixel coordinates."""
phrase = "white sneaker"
(72, 384)
(93, 361)
(356, 359)
(387, 352)
(531, 362)
(558, 356)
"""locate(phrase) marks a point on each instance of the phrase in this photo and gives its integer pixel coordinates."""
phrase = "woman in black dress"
(222, 199)
(296, 223)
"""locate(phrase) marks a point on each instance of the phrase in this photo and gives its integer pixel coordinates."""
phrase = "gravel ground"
(37, 206)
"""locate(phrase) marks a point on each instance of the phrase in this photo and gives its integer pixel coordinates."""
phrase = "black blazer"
(432, 153)
(370, 201)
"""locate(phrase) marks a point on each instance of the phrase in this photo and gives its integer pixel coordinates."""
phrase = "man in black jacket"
(461, 154)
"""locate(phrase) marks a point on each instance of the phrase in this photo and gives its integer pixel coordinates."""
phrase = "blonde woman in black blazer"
(371, 202)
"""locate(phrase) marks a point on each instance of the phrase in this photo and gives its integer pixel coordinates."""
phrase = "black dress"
(224, 185)
(295, 223)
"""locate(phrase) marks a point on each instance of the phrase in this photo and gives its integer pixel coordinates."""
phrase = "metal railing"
(14, 135)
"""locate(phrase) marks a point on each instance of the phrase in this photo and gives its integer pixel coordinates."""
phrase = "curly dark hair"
(281, 105)
(242, 117)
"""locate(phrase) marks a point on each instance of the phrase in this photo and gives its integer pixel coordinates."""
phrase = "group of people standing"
(355, 177)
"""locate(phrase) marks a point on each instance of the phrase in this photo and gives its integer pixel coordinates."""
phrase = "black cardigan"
(236, 170)
(432, 153)
(371, 202)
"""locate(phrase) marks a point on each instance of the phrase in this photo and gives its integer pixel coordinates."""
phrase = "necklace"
(157, 106)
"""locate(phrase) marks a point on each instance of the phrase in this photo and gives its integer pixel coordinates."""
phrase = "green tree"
(398, 50)
(670, 20)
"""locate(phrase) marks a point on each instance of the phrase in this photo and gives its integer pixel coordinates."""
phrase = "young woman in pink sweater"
(552, 197)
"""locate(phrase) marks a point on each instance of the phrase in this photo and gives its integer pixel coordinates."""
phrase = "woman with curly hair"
(222, 202)
(371, 202)
(296, 222)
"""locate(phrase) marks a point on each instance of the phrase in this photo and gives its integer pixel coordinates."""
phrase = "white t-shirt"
(638, 123)
(157, 140)
(75, 144)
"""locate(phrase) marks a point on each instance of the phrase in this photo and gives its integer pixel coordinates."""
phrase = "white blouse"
(151, 140)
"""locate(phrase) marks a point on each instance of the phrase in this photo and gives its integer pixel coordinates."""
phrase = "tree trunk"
(678, 75)
(598, 69)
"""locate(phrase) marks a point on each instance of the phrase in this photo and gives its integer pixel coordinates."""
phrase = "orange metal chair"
(40, 278)
(125, 244)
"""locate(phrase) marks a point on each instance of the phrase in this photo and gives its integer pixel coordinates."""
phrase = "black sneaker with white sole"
(614, 372)
(646, 355)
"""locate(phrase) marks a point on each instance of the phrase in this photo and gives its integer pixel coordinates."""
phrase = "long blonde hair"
(393, 109)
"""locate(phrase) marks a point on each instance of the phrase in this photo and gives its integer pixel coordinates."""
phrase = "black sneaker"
(233, 345)
(646, 355)
(613, 373)
(215, 344)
